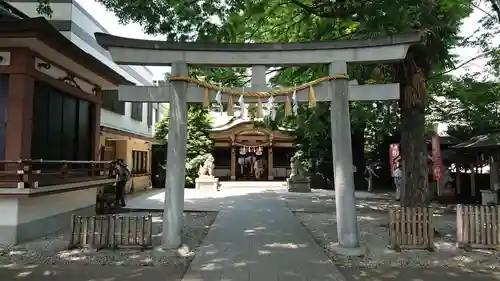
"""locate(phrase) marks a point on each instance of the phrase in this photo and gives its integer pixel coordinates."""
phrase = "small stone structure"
(298, 181)
(206, 179)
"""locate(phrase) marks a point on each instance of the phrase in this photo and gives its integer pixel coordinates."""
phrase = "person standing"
(398, 179)
(369, 173)
(122, 177)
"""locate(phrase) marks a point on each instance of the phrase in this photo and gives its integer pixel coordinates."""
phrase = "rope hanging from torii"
(289, 108)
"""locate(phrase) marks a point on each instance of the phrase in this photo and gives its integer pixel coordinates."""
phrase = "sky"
(469, 27)
(134, 30)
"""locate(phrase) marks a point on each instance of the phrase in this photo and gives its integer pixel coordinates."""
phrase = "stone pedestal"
(207, 183)
(298, 185)
(489, 197)
(349, 252)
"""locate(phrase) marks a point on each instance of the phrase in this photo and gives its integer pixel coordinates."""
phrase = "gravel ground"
(374, 235)
(52, 250)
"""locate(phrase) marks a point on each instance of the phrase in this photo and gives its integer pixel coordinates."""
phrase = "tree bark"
(412, 73)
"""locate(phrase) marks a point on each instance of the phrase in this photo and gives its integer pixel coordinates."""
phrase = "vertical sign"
(437, 162)
(394, 156)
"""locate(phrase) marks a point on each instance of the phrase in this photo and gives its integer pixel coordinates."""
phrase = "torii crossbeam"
(161, 93)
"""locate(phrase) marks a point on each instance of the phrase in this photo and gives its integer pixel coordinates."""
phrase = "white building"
(126, 128)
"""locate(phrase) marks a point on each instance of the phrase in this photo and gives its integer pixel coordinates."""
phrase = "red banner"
(394, 156)
(437, 161)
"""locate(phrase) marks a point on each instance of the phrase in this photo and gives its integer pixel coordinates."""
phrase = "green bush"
(199, 144)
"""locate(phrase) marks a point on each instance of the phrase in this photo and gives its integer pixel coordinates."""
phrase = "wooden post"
(233, 163)
(19, 117)
(270, 175)
(493, 172)
(472, 180)
(457, 171)
(96, 127)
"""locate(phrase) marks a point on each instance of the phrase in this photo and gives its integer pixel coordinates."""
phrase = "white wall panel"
(60, 11)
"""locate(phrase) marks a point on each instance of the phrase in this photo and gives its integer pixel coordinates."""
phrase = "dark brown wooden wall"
(61, 125)
(4, 89)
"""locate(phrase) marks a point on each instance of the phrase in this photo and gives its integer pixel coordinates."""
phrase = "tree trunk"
(412, 73)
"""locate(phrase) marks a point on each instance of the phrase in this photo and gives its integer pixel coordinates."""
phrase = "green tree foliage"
(485, 34)
(311, 127)
(470, 107)
(199, 145)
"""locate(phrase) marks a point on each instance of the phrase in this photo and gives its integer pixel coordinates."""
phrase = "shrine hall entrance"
(252, 164)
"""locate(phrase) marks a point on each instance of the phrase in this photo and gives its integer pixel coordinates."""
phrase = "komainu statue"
(298, 180)
(208, 167)
(297, 170)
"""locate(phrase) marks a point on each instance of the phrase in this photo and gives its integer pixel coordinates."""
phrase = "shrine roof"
(481, 141)
(231, 122)
(41, 36)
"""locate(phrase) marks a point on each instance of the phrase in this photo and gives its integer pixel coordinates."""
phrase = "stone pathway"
(75, 272)
(258, 238)
(208, 200)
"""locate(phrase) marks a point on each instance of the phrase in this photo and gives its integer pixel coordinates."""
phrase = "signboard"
(394, 156)
(437, 161)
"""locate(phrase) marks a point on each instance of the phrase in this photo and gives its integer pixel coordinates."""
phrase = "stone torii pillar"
(345, 201)
(176, 161)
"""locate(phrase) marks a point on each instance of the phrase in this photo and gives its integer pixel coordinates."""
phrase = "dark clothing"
(120, 193)
(122, 173)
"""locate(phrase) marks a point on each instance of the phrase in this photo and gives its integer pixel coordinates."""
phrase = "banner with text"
(437, 161)
(394, 156)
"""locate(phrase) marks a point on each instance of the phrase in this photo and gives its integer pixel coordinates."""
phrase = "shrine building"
(246, 152)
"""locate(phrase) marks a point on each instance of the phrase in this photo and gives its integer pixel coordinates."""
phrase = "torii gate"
(259, 56)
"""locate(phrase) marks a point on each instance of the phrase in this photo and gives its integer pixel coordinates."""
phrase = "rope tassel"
(206, 100)
(218, 100)
(295, 105)
(288, 106)
(243, 107)
(271, 108)
(230, 110)
(312, 97)
(258, 112)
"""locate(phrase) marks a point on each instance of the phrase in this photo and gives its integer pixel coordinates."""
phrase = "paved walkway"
(258, 238)
(209, 200)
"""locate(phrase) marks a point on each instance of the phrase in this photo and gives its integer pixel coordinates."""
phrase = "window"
(110, 102)
(136, 111)
(139, 162)
(150, 114)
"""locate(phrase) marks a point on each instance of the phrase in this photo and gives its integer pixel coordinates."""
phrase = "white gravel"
(374, 235)
(52, 249)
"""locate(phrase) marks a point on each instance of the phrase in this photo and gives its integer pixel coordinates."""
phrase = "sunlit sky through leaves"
(110, 22)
